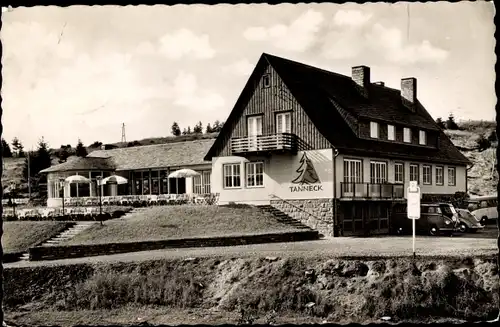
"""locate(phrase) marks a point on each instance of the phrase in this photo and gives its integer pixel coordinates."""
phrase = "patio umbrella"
(77, 179)
(115, 179)
(183, 173)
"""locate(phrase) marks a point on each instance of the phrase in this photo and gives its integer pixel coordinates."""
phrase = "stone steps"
(284, 218)
(63, 236)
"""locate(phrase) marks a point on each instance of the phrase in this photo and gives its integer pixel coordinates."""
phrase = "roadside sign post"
(413, 197)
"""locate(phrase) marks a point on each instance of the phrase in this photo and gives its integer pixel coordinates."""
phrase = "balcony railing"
(265, 143)
(372, 191)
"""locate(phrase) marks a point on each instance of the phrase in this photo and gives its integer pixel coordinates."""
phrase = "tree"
(176, 131)
(37, 161)
(450, 123)
(18, 147)
(208, 129)
(483, 143)
(96, 144)
(63, 154)
(493, 136)
(440, 123)
(81, 151)
(217, 126)
(189, 130)
(198, 128)
(306, 171)
(6, 152)
(184, 131)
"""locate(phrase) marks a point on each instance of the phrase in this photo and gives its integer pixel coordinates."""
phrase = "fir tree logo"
(306, 171)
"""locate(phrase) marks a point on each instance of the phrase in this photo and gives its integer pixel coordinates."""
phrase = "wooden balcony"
(370, 191)
(283, 142)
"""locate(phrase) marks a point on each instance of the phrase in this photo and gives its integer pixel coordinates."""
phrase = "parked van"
(435, 219)
(484, 208)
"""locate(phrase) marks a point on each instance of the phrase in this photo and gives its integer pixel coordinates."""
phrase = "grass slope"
(159, 223)
(19, 236)
(341, 290)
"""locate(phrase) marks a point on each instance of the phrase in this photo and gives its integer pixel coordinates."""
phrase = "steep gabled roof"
(316, 89)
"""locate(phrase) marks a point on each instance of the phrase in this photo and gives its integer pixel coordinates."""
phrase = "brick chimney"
(409, 91)
(361, 76)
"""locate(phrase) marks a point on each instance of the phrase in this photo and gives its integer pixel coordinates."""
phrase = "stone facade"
(315, 213)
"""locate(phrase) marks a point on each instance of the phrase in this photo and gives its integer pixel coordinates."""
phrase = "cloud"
(240, 67)
(298, 36)
(186, 93)
(351, 18)
(184, 42)
(390, 41)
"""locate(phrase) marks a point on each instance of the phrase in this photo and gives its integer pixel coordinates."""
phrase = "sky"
(80, 72)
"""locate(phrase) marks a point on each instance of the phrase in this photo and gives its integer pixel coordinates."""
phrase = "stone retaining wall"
(78, 251)
(315, 213)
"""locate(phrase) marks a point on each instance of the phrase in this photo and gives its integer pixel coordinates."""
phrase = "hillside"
(480, 175)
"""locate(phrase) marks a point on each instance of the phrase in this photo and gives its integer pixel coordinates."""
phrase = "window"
(414, 172)
(232, 176)
(452, 178)
(427, 174)
(378, 172)
(391, 134)
(353, 174)
(407, 135)
(266, 81)
(399, 176)
(201, 183)
(255, 174)
(373, 130)
(439, 176)
(422, 139)
(283, 123)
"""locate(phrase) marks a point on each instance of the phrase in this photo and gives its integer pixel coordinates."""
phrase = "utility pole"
(29, 175)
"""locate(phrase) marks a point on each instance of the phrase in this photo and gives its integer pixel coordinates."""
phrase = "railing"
(143, 200)
(281, 141)
(372, 190)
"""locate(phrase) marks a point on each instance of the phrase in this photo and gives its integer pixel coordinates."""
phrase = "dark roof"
(158, 156)
(315, 90)
(80, 163)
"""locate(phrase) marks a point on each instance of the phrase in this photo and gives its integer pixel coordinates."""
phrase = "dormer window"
(266, 81)
(407, 135)
(422, 140)
(374, 130)
(391, 134)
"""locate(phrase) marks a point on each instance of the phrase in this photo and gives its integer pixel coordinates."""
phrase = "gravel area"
(388, 246)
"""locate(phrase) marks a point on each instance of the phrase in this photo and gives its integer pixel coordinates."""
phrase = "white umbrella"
(183, 173)
(115, 179)
(77, 179)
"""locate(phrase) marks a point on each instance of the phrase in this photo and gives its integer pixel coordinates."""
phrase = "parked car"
(484, 208)
(435, 219)
(467, 222)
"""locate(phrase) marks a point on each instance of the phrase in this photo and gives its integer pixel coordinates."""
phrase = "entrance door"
(254, 126)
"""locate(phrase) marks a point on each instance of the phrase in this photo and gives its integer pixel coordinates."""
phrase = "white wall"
(279, 172)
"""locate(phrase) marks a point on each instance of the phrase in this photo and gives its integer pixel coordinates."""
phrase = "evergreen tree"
(63, 154)
(450, 123)
(176, 131)
(81, 151)
(440, 123)
(6, 152)
(306, 171)
(198, 128)
(188, 132)
(208, 129)
(18, 147)
(38, 161)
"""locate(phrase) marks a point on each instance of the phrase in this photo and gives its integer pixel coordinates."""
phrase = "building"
(333, 151)
(146, 168)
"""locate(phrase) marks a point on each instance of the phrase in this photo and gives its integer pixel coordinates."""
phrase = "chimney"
(409, 91)
(361, 76)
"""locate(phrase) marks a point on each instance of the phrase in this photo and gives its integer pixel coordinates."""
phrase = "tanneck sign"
(307, 179)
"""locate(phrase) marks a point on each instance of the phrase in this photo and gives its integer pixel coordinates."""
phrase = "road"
(481, 243)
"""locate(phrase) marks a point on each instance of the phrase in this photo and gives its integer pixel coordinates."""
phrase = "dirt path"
(333, 247)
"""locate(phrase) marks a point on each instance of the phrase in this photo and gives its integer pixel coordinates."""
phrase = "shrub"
(483, 143)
